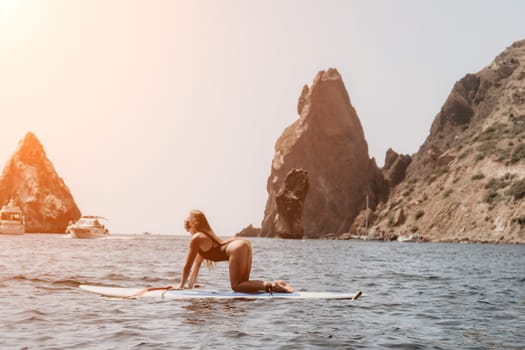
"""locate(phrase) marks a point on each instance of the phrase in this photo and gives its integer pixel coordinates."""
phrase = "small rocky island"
(31, 181)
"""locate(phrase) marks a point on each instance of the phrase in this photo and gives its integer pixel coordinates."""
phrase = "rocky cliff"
(467, 181)
(328, 142)
(31, 181)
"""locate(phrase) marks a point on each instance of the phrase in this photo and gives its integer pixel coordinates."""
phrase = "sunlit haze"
(148, 109)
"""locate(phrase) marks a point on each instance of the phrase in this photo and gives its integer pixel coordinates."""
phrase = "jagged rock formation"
(395, 167)
(328, 142)
(31, 181)
(249, 231)
(467, 181)
(288, 222)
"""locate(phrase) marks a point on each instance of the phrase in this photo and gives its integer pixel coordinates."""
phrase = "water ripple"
(425, 296)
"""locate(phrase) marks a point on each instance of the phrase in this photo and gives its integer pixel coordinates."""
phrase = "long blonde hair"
(198, 219)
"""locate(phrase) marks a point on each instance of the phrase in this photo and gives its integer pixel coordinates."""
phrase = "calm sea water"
(420, 296)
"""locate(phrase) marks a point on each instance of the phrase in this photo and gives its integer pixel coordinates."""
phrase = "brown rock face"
(467, 181)
(290, 203)
(395, 167)
(31, 181)
(328, 142)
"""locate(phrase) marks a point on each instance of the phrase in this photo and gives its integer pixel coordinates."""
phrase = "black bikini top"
(217, 252)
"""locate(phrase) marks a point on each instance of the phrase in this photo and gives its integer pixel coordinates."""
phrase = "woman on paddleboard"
(205, 245)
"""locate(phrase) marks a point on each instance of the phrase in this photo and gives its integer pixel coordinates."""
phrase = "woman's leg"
(240, 252)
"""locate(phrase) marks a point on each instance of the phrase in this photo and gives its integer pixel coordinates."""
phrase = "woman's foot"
(281, 286)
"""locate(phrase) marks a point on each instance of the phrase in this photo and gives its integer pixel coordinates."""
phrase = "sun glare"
(8, 10)
(6, 4)
(17, 18)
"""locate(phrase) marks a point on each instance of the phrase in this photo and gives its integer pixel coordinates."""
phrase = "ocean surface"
(420, 296)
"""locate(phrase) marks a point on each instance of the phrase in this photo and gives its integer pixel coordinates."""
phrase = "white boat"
(410, 238)
(88, 227)
(12, 221)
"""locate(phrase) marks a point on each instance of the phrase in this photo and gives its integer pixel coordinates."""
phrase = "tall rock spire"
(30, 179)
(328, 142)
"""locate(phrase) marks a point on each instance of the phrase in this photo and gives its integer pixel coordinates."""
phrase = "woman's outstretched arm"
(193, 251)
(195, 270)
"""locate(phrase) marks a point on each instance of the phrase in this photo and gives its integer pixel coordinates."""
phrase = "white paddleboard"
(175, 294)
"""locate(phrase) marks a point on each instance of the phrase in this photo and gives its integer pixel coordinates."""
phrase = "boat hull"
(12, 228)
(410, 238)
(87, 234)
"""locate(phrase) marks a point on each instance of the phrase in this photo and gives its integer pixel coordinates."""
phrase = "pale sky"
(148, 109)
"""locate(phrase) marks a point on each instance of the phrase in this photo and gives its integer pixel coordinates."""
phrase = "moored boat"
(12, 221)
(88, 226)
(410, 238)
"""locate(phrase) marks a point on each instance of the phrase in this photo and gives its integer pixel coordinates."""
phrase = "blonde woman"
(204, 244)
